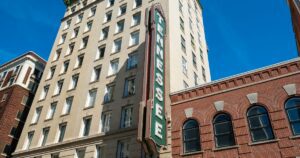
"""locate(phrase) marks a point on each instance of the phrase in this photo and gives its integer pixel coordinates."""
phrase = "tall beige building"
(88, 101)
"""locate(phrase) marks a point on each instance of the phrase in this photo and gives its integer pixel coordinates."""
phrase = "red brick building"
(19, 79)
(295, 13)
(256, 114)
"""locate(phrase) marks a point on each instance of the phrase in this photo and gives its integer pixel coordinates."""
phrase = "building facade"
(19, 80)
(255, 114)
(295, 13)
(89, 98)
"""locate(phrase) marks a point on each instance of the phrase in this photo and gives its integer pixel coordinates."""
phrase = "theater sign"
(152, 122)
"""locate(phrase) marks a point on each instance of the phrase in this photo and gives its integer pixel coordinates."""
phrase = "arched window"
(292, 107)
(224, 136)
(191, 138)
(259, 124)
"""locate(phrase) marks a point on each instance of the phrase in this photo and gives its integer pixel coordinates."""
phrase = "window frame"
(269, 122)
(197, 140)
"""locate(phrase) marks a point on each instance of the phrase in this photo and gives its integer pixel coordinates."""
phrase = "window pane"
(223, 128)
(259, 121)
(190, 124)
(294, 114)
(262, 134)
(256, 111)
(293, 102)
(191, 134)
(296, 128)
(191, 146)
(225, 140)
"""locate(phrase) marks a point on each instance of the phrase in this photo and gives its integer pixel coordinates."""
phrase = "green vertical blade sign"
(158, 118)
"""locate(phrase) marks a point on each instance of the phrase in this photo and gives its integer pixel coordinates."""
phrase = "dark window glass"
(259, 124)
(292, 107)
(191, 138)
(224, 136)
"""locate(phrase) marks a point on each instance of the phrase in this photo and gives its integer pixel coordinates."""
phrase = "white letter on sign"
(160, 65)
(159, 94)
(158, 111)
(159, 79)
(158, 129)
(160, 52)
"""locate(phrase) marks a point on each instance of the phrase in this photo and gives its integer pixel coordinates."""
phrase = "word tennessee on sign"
(158, 119)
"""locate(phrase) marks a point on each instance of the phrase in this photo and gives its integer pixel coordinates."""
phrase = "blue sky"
(241, 35)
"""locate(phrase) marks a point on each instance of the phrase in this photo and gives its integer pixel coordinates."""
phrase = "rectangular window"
(13, 131)
(11, 81)
(45, 136)
(123, 149)
(96, 74)
(88, 26)
(134, 38)
(181, 24)
(184, 66)
(65, 67)
(61, 132)
(107, 17)
(6, 149)
(104, 33)
(114, 67)
(28, 140)
(68, 105)
(86, 124)
(51, 72)
(36, 115)
(196, 79)
(62, 38)
(101, 52)
(91, 98)
(110, 3)
(137, 3)
(180, 6)
(183, 44)
(122, 9)
(120, 26)
(51, 111)
(126, 118)
(92, 11)
(203, 74)
(74, 82)
(109, 91)
(99, 152)
(84, 42)
(132, 61)
(4, 97)
(194, 60)
(79, 61)
(185, 85)
(201, 55)
(70, 49)
(20, 115)
(75, 32)
(193, 41)
(24, 100)
(105, 121)
(56, 155)
(44, 92)
(58, 87)
(67, 24)
(129, 88)
(136, 19)
(57, 55)
(79, 18)
(80, 153)
(117, 45)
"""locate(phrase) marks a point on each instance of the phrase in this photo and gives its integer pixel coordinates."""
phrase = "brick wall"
(8, 114)
(270, 92)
